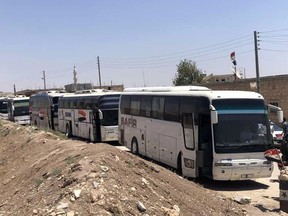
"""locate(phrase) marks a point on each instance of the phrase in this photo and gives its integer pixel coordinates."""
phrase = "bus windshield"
(243, 126)
(110, 117)
(21, 108)
(3, 106)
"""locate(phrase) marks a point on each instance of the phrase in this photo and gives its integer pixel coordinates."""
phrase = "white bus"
(18, 110)
(197, 131)
(3, 108)
(43, 109)
(93, 116)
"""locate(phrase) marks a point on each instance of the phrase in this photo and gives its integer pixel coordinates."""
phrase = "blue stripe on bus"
(242, 111)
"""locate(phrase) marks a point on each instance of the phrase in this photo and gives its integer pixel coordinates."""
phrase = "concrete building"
(79, 86)
(87, 86)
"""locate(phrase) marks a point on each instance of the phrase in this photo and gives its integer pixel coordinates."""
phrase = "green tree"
(188, 73)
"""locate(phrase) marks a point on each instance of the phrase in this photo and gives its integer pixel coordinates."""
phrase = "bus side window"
(145, 106)
(158, 107)
(135, 106)
(187, 121)
(171, 109)
(125, 104)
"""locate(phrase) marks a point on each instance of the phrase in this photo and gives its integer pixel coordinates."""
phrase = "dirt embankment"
(45, 174)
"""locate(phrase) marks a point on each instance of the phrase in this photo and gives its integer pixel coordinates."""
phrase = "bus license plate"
(247, 176)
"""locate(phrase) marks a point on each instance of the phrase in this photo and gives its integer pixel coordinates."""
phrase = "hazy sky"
(139, 42)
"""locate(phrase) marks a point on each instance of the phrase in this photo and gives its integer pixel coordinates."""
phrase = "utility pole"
(75, 79)
(98, 61)
(14, 89)
(44, 79)
(256, 61)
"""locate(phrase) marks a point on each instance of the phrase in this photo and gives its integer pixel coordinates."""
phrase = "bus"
(92, 116)
(197, 131)
(43, 109)
(18, 110)
(3, 108)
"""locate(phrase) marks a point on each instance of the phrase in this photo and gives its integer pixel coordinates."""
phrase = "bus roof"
(193, 91)
(90, 94)
(92, 91)
(18, 98)
(49, 94)
(167, 89)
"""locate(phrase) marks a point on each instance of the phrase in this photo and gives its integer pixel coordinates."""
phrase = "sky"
(138, 42)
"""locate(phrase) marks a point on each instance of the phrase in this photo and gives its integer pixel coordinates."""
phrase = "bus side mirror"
(214, 116)
(100, 114)
(280, 115)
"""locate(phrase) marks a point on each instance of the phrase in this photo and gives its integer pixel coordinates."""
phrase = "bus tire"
(134, 146)
(179, 164)
(68, 131)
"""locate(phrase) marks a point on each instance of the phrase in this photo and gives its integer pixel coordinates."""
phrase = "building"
(222, 78)
(87, 86)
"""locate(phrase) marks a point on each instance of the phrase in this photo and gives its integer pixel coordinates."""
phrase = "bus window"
(145, 106)
(125, 104)
(135, 106)
(171, 109)
(158, 107)
(3, 107)
(188, 130)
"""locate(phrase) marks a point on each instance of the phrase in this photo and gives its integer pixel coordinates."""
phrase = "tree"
(188, 73)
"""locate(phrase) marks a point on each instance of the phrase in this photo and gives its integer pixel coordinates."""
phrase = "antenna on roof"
(144, 79)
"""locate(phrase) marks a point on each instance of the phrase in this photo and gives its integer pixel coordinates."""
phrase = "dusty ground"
(42, 173)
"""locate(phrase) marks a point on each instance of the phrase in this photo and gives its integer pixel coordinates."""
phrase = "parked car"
(277, 132)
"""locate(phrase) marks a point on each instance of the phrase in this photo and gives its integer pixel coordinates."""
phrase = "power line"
(192, 55)
(272, 31)
(273, 41)
(91, 64)
(217, 46)
(273, 36)
(274, 50)
(158, 61)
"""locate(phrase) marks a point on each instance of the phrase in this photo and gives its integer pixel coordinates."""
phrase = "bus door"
(96, 123)
(188, 159)
(54, 117)
(152, 142)
(205, 150)
(92, 126)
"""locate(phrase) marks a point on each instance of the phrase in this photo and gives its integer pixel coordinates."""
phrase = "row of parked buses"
(92, 116)
(190, 128)
(15, 109)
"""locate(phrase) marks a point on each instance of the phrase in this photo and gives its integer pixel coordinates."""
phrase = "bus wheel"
(68, 131)
(179, 165)
(134, 146)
